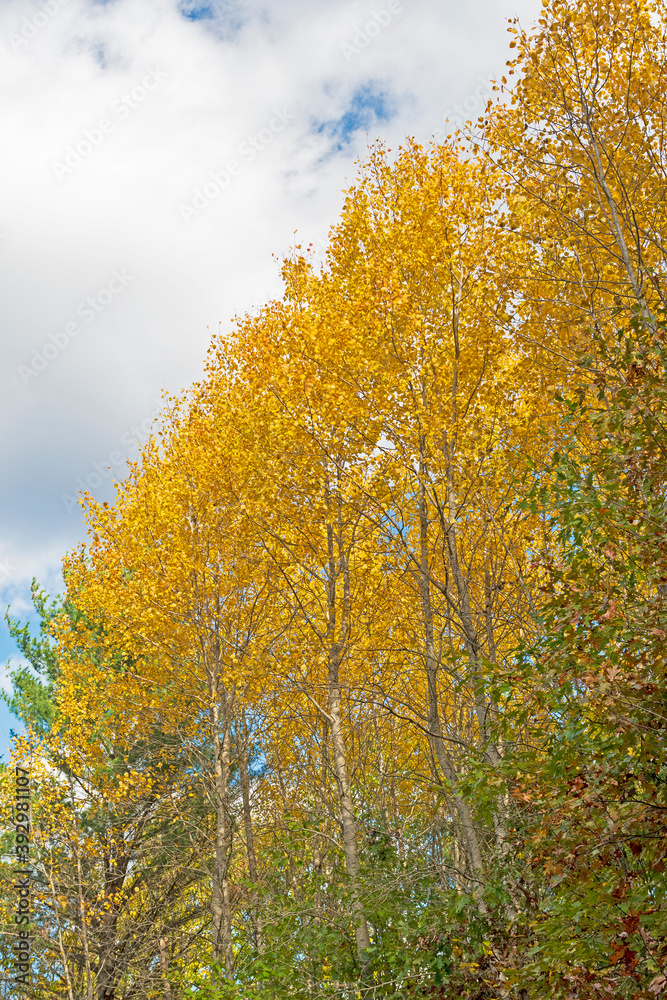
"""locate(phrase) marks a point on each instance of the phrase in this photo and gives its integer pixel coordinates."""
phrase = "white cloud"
(142, 101)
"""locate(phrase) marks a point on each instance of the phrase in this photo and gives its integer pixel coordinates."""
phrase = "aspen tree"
(332, 556)
(176, 583)
(436, 391)
(582, 143)
(311, 536)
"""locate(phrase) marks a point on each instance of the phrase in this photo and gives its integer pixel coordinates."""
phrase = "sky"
(160, 159)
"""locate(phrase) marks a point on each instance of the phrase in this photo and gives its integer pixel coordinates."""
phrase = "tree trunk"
(347, 815)
(447, 767)
(249, 835)
(220, 716)
(82, 907)
(349, 825)
(164, 967)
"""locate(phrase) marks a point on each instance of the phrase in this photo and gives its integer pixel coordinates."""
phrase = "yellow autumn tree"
(182, 589)
(327, 561)
(416, 342)
(581, 143)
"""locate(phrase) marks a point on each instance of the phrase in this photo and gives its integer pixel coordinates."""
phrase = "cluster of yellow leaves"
(330, 524)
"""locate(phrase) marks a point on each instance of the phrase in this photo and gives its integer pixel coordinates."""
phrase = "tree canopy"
(358, 687)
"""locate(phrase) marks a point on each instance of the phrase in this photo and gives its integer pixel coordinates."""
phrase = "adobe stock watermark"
(94, 137)
(110, 469)
(248, 150)
(467, 110)
(31, 26)
(23, 874)
(88, 310)
(377, 22)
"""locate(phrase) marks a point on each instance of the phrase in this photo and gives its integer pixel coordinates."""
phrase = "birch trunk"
(338, 566)
(347, 816)
(220, 718)
(164, 967)
(82, 908)
(465, 615)
(249, 834)
(447, 767)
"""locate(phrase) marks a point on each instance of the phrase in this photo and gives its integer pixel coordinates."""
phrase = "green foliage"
(32, 698)
(453, 672)
(590, 701)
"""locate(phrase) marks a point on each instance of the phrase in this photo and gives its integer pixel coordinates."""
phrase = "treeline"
(358, 688)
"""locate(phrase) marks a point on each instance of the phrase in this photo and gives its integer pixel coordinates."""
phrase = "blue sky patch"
(369, 105)
(223, 17)
(196, 11)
